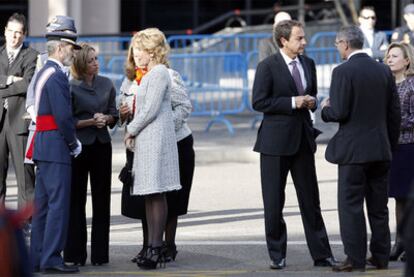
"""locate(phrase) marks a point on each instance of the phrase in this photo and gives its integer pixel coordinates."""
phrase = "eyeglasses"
(369, 17)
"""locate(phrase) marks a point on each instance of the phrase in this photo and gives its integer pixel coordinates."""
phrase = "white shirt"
(14, 51)
(369, 35)
(288, 60)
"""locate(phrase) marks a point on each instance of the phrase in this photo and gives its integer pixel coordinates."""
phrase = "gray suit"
(380, 40)
(267, 47)
(13, 128)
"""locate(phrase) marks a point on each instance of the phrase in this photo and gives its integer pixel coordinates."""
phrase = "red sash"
(43, 123)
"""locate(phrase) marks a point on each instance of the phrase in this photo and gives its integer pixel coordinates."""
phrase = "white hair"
(52, 46)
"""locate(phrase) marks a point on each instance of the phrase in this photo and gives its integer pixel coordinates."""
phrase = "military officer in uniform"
(54, 144)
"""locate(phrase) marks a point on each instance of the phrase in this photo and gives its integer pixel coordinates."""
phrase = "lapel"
(307, 71)
(286, 72)
(19, 56)
(376, 43)
(4, 60)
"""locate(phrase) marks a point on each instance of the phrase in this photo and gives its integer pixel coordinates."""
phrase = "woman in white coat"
(151, 133)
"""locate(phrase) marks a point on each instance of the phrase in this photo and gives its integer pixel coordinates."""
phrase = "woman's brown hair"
(80, 63)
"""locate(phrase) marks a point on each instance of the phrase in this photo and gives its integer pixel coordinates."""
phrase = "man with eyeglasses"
(364, 101)
(17, 65)
(405, 33)
(54, 144)
(375, 42)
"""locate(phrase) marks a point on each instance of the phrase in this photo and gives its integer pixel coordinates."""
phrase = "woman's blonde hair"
(80, 62)
(151, 40)
(408, 53)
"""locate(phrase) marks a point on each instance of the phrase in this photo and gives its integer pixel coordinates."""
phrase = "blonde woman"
(400, 59)
(151, 132)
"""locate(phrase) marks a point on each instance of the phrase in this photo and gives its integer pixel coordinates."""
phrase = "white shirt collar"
(366, 30)
(14, 51)
(287, 59)
(356, 52)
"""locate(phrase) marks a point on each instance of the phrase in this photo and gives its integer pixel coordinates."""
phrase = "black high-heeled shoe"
(403, 257)
(396, 251)
(155, 256)
(140, 255)
(170, 252)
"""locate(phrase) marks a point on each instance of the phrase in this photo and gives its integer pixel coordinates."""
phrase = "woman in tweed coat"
(155, 166)
(133, 206)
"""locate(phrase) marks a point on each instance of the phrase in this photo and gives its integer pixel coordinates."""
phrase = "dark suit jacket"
(23, 66)
(365, 102)
(282, 127)
(55, 100)
(380, 39)
(86, 101)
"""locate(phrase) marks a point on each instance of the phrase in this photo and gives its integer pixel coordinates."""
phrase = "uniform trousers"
(50, 220)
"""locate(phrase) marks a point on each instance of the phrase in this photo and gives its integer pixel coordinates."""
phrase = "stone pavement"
(223, 233)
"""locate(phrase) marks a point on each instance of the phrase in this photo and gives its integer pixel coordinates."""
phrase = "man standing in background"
(405, 33)
(268, 46)
(17, 65)
(375, 42)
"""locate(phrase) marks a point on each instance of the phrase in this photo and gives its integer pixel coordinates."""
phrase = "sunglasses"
(369, 17)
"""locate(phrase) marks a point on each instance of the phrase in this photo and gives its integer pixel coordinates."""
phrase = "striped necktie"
(11, 59)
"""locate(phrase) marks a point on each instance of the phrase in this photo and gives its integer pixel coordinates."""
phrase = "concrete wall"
(91, 16)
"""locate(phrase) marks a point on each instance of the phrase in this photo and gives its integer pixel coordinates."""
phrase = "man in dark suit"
(364, 101)
(17, 65)
(55, 142)
(284, 91)
(375, 42)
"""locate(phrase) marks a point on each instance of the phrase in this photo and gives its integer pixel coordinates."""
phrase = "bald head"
(280, 16)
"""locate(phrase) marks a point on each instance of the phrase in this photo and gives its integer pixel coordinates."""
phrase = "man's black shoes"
(327, 262)
(278, 264)
(61, 269)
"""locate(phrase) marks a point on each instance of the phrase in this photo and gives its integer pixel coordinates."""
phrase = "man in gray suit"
(375, 42)
(268, 46)
(17, 65)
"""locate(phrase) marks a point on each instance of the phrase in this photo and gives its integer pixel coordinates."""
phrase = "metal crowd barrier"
(243, 43)
(216, 83)
(217, 69)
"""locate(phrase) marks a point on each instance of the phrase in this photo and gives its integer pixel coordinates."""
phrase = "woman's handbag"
(132, 206)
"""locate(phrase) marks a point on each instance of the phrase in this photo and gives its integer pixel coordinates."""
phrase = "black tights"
(170, 231)
(400, 204)
(156, 213)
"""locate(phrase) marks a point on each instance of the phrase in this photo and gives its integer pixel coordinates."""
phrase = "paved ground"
(223, 234)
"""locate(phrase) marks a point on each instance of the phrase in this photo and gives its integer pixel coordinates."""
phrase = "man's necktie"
(297, 78)
(11, 59)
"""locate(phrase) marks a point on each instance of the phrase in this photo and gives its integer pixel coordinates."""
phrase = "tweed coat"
(155, 167)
